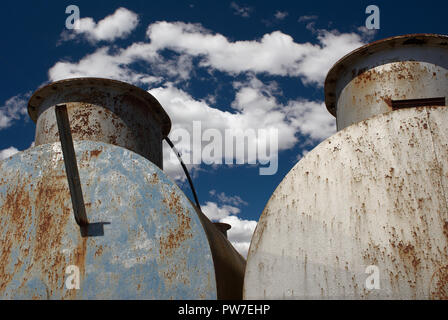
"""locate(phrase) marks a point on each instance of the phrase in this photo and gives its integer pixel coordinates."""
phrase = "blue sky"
(230, 64)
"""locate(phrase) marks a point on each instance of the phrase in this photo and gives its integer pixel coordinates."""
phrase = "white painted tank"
(375, 78)
(362, 216)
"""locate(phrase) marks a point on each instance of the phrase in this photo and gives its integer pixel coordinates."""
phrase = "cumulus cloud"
(232, 200)
(115, 26)
(256, 103)
(6, 153)
(115, 64)
(172, 166)
(307, 18)
(104, 63)
(280, 15)
(242, 11)
(242, 230)
(368, 34)
(216, 213)
(254, 107)
(275, 53)
(13, 109)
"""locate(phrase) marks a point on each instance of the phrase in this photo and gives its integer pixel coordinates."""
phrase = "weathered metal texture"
(102, 110)
(223, 227)
(229, 264)
(373, 194)
(364, 83)
(144, 239)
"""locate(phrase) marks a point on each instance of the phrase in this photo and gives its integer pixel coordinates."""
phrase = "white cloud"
(311, 118)
(241, 233)
(103, 63)
(280, 15)
(115, 26)
(242, 230)
(368, 34)
(172, 166)
(302, 154)
(255, 106)
(307, 18)
(216, 213)
(115, 64)
(13, 109)
(6, 153)
(231, 200)
(241, 10)
(275, 53)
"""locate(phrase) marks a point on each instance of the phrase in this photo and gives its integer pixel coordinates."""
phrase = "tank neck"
(102, 110)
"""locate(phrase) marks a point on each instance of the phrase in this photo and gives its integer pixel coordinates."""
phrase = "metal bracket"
(71, 166)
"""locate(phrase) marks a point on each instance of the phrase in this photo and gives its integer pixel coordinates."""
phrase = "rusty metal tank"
(102, 110)
(375, 78)
(143, 239)
(364, 215)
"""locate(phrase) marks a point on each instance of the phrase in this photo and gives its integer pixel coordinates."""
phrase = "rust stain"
(99, 251)
(80, 255)
(439, 284)
(95, 153)
(16, 208)
(445, 229)
(180, 231)
(154, 178)
(78, 258)
(408, 253)
(34, 231)
(50, 225)
(388, 101)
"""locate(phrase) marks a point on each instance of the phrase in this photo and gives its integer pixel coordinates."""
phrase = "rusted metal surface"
(144, 239)
(103, 110)
(374, 194)
(223, 227)
(365, 82)
(229, 264)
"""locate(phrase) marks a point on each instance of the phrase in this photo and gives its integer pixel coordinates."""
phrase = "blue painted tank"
(144, 239)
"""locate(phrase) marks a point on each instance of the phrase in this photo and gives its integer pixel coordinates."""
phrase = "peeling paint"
(122, 256)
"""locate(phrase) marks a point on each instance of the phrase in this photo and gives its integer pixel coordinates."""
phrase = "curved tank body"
(375, 195)
(364, 215)
(144, 238)
(142, 242)
(229, 264)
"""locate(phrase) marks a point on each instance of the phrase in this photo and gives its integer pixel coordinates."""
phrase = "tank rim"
(418, 39)
(48, 89)
(224, 226)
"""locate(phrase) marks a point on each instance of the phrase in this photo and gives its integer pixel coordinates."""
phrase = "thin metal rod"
(185, 170)
(71, 166)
